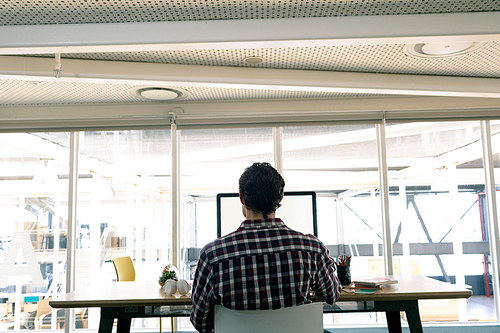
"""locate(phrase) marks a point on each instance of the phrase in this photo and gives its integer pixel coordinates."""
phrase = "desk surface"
(140, 293)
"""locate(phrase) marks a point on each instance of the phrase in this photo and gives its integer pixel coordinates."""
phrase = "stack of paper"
(373, 283)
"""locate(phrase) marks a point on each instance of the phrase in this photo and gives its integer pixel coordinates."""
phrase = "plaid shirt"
(262, 265)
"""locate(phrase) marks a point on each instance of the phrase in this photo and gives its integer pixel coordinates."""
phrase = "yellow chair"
(124, 268)
(42, 309)
(125, 271)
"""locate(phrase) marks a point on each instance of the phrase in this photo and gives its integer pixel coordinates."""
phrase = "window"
(437, 206)
(33, 209)
(436, 195)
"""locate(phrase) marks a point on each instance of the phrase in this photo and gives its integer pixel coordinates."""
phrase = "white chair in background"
(307, 318)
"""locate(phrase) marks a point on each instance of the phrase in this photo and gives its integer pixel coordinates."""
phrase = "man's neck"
(250, 215)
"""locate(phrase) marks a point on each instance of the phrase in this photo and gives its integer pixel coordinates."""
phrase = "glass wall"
(436, 194)
(33, 211)
(123, 209)
(437, 207)
(340, 163)
(211, 162)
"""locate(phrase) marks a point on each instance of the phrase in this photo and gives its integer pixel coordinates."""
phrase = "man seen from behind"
(263, 264)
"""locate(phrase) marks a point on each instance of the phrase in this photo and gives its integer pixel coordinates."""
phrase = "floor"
(481, 308)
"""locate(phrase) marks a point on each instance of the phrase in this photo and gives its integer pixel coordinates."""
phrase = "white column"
(340, 223)
(278, 148)
(176, 258)
(492, 211)
(405, 261)
(458, 252)
(71, 236)
(95, 246)
(164, 220)
(384, 196)
(373, 221)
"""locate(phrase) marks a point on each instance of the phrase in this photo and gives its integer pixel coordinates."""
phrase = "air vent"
(442, 50)
(160, 93)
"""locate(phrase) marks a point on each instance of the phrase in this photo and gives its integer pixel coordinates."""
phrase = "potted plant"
(168, 272)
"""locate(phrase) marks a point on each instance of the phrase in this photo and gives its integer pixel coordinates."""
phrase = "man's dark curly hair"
(261, 187)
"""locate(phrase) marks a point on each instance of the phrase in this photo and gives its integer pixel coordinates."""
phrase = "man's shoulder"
(215, 247)
(306, 239)
(244, 242)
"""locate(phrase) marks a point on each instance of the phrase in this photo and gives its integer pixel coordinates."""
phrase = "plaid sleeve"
(202, 312)
(327, 284)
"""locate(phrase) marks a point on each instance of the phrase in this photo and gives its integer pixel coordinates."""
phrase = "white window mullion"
(491, 211)
(176, 196)
(71, 233)
(278, 148)
(384, 198)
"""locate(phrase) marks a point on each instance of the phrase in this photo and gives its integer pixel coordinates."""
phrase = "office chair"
(124, 268)
(42, 309)
(303, 318)
(125, 271)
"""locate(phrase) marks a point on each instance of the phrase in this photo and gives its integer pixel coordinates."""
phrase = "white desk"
(127, 300)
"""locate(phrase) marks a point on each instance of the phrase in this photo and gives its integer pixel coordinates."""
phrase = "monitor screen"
(298, 211)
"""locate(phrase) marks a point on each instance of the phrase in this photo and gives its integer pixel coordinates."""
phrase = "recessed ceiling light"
(442, 50)
(159, 93)
(254, 60)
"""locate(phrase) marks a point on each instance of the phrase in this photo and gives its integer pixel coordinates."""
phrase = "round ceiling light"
(254, 60)
(159, 93)
(442, 50)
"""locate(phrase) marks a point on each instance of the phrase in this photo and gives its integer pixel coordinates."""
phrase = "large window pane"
(211, 163)
(33, 210)
(436, 186)
(124, 208)
(339, 163)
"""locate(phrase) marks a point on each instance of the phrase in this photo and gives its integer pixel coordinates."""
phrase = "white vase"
(170, 287)
(183, 287)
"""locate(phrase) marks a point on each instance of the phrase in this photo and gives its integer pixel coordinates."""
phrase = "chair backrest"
(307, 318)
(43, 307)
(124, 268)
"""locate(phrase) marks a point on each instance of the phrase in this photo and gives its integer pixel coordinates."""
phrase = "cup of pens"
(344, 269)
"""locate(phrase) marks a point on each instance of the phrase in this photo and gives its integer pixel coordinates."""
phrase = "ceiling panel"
(371, 57)
(31, 12)
(32, 92)
(484, 62)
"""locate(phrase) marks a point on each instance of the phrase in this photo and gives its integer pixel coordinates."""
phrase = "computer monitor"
(298, 211)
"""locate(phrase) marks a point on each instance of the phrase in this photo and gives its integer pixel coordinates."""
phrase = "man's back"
(263, 265)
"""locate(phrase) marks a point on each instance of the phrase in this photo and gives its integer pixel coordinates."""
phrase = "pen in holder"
(344, 269)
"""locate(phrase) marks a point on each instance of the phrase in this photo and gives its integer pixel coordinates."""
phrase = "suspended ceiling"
(318, 56)
(110, 49)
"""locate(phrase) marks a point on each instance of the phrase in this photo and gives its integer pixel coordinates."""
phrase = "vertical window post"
(384, 196)
(71, 235)
(176, 258)
(278, 148)
(492, 210)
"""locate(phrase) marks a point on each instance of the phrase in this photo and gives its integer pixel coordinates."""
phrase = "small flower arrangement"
(168, 272)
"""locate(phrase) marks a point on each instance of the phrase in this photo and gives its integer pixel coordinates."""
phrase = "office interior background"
(120, 121)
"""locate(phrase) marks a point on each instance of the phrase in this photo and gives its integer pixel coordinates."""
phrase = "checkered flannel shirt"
(262, 265)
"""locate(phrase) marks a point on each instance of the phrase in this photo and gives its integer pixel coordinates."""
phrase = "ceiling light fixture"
(159, 93)
(254, 60)
(442, 50)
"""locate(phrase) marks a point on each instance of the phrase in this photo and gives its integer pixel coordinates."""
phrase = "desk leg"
(393, 321)
(106, 323)
(123, 325)
(413, 316)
